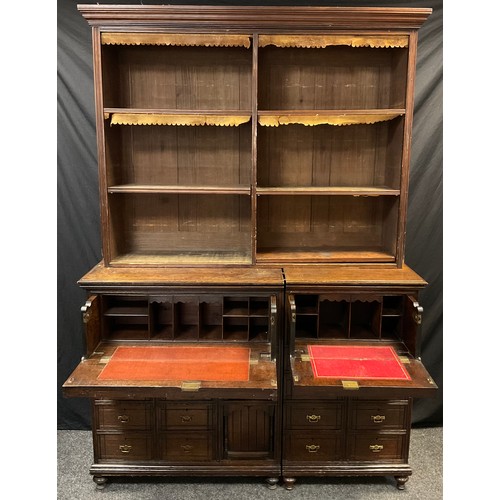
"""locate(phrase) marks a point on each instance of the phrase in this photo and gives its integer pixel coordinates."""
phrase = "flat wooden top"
(171, 276)
(352, 275)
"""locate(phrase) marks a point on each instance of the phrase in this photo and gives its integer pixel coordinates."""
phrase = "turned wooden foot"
(288, 483)
(272, 482)
(100, 482)
(401, 481)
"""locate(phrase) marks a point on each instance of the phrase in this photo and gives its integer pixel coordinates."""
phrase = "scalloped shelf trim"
(181, 40)
(322, 41)
(338, 120)
(187, 120)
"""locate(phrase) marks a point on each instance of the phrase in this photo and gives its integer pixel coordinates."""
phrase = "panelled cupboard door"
(248, 430)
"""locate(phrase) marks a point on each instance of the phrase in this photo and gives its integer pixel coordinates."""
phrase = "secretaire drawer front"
(129, 446)
(178, 416)
(314, 446)
(187, 446)
(126, 415)
(379, 415)
(311, 416)
(375, 447)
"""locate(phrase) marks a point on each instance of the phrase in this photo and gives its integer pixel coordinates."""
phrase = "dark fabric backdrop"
(78, 222)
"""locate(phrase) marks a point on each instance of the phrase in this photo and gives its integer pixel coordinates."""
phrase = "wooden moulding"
(180, 40)
(322, 41)
(177, 119)
(324, 119)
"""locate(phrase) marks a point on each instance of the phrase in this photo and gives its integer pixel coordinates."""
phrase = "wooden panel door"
(248, 430)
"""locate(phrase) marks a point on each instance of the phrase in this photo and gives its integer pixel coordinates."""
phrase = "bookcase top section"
(352, 276)
(250, 18)
(101, 275)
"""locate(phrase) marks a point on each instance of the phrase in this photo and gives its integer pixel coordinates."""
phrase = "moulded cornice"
(254, 18)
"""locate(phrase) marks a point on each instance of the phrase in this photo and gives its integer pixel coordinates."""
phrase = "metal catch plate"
(350, 385)
(190, 386)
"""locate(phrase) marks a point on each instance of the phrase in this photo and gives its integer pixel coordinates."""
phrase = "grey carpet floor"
(75, 483)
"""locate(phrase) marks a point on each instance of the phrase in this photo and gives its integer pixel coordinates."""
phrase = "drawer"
(126, 415)
(311, 416)
(320, 446)
(178, 416)
(379, 415)
(125, 446)
(378, 447)
(187, 446)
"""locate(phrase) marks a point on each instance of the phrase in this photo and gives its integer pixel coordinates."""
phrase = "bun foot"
(288, 483)
(272, 482)
(100, 482)
(401, 482)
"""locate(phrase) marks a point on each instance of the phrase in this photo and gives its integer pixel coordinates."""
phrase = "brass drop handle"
(187, 448)
(186, 418)
(123, 418)
(125, 448)
(313, 418)
(378, 419)
(312, 448)
(376, 448)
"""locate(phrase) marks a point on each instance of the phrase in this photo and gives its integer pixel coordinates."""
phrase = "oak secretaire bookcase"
(252, 314)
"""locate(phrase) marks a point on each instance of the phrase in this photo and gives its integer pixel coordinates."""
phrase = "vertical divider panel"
(349, 322)
(253, 177)
(101, 145)
(150, 321)
(405, 162)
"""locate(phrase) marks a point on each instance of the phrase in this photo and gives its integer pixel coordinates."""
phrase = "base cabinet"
(157, 437)
(346, 437)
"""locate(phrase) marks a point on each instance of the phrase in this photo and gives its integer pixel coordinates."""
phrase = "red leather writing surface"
(356, 363)
(178, 363)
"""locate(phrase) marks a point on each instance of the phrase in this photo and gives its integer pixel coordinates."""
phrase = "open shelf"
(356, 160)
(326, 228)
(359, 317)
(334, 77)
(145, 158)
(188, 318)
(157, 229)
(176, 77)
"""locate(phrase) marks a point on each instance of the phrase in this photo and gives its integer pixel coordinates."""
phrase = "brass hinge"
(404, 359)
(305, 357)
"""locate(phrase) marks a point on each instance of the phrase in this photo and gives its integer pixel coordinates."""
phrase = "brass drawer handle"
(378, 419)
(123, 418)
(186, 418)
(376, 448)
(125, 448)
(187, 448)
(312, 448)
(313, 418)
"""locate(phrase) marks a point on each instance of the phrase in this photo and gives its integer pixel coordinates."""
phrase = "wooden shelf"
(127, 311)
(323, 190)
(138, 188)
(175, 39)
(195, 259)
(327, 117)
(144, 116)
(351, 255)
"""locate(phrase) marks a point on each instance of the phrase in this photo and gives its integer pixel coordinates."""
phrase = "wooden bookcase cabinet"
(171, 426)
(239, 140)
(261, 138)
(334, 426)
